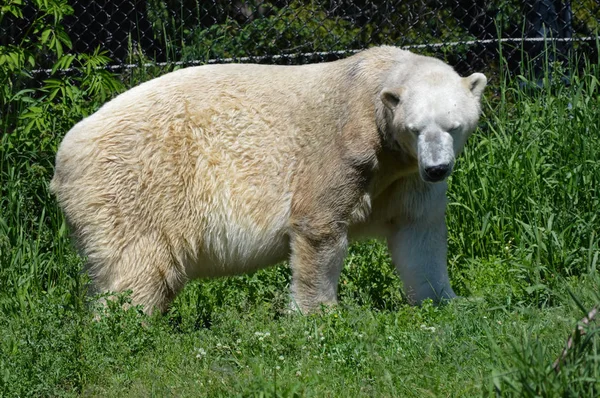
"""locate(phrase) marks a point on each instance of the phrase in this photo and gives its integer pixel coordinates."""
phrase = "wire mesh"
(466, 34)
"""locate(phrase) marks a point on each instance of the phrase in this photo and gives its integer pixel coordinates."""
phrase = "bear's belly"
(238, 253)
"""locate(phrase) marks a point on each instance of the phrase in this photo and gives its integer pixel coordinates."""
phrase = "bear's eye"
(413, 129)
(455, 128)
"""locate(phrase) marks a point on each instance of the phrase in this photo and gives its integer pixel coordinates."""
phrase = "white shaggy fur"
(224, 169)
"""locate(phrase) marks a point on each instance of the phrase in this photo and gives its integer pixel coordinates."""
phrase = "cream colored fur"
(224, 169)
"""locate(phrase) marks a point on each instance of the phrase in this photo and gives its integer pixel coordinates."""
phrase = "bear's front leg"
(317, 259)
(419, 247)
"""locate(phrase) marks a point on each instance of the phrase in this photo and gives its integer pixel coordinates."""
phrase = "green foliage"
(33, 236)
(59, 101)
(369, 279)
(297, 28)
(42, 300)
(527, 185)
(574, 372)
(586, 15)
(44, 35)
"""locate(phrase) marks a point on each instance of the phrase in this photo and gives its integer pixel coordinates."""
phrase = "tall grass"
(526, 190)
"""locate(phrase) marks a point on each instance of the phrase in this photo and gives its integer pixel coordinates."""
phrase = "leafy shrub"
(298, 28)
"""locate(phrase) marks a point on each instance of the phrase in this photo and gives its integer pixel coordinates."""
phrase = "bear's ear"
(391, 97)
(476, 83)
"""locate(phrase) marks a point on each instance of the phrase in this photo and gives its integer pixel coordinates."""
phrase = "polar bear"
(224, 169)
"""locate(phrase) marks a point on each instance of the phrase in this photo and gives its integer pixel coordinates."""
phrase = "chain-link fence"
(467, 34)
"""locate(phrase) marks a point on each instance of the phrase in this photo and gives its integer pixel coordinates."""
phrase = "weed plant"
(523, 253)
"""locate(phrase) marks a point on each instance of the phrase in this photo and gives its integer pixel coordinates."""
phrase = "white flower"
(281, 358)
(201, 353)
(261, 335)
(428, 328)
(277, 367)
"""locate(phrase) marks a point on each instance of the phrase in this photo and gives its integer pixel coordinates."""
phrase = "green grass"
(523, 222)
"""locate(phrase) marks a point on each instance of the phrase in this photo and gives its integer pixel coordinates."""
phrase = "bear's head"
(430, 117)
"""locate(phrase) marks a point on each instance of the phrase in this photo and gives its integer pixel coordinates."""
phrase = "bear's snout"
(436, 155)
(437, 173)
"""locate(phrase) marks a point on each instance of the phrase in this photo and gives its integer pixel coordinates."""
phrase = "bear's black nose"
(438, 172)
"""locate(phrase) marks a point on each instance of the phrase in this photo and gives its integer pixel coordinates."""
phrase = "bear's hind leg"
(148, 269)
